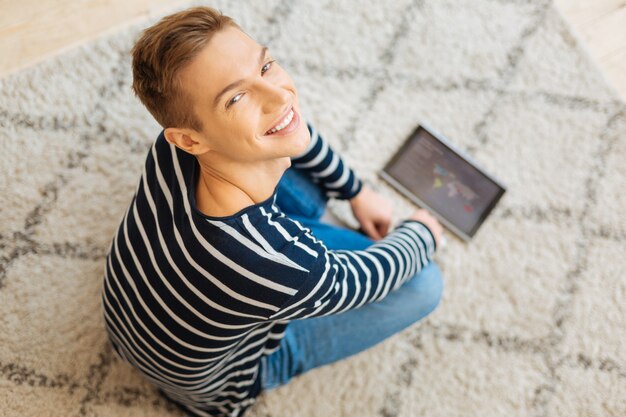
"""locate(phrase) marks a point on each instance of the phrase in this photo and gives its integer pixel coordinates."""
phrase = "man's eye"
(263, 72)
(233, 101)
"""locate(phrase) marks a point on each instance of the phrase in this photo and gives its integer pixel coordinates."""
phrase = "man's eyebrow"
(238, 82)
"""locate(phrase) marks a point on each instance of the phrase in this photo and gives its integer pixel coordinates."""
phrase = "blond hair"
(159, 55)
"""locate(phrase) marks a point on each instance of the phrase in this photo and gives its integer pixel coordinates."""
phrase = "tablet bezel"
(385, 175)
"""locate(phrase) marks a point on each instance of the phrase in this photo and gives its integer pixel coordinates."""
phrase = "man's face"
(236, 121)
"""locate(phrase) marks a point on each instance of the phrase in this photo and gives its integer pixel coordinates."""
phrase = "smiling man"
(237, 100)
(221, 281)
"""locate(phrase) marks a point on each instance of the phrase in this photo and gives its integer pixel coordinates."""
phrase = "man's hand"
(372, 211)
(431, 223)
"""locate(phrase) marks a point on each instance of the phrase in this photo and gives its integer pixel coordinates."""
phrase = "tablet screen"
(447, 183)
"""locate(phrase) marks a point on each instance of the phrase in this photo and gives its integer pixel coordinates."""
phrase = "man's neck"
(225, 187)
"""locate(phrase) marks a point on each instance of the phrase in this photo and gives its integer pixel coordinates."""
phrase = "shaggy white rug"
(533, 319)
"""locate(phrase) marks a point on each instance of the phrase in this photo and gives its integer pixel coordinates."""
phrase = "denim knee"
(428, 288)
(298, 195)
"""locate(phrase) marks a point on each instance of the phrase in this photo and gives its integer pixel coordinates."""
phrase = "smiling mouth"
(286, 125)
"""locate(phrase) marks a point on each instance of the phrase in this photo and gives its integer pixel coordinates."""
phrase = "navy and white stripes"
(193, 302)
(326, 168)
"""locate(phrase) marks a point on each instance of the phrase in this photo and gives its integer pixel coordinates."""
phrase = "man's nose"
(274, 97)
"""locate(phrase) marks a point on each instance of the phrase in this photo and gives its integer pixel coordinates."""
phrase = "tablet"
(438, 177)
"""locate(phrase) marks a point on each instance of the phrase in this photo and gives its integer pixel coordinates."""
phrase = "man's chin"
(302, 144)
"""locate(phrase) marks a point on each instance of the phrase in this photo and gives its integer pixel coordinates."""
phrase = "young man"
(221, 281)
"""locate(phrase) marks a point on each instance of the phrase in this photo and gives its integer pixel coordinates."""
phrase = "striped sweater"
(193, 302)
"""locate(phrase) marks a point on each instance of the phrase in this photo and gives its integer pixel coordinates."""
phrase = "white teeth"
(283, 124)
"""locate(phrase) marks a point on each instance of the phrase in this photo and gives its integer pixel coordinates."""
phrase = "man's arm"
(326, 168)
(330, 282)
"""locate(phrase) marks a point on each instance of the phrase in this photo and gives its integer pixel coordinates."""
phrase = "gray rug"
(533, 319)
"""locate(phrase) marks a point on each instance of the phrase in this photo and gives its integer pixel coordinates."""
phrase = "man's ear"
(188, 140)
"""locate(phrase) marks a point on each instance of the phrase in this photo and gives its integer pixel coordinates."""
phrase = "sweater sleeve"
(321, 282)
(326, 168)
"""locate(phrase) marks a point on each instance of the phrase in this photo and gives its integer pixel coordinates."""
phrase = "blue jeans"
(318, 341)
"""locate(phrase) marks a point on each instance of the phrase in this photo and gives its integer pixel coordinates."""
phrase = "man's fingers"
(371, 231)
(383, 228)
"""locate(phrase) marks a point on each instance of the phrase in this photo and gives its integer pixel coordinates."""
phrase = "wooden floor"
(601, 24)
(33, 30)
